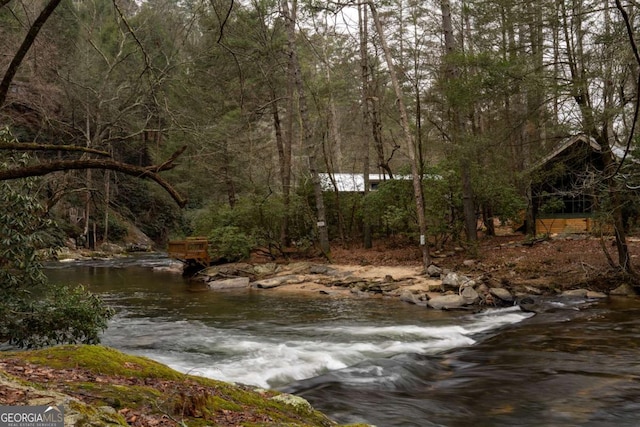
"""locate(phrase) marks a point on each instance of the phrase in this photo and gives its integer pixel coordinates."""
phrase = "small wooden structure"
(563, 200)
(191, 251)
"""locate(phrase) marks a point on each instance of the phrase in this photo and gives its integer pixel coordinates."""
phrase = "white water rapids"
(269, 354)
(381, 361)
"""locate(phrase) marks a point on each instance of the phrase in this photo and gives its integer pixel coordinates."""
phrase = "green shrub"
(230, 243)
(258, 218)
(34, 312)
(117, 230)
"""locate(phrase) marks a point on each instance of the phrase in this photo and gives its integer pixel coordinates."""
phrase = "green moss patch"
(141, 391)
(115, 395)
(97, 359)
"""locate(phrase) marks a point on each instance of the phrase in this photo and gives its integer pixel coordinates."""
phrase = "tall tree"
(290, 15)
(458, 123)
(408, 140)
(363, 26)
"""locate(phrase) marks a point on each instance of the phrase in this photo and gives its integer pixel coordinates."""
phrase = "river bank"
(212, 333)
(507, 271)
(99, 386)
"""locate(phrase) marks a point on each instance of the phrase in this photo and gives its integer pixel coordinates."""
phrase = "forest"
(232, 119)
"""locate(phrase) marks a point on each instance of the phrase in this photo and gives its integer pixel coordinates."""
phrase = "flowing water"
(382, 362)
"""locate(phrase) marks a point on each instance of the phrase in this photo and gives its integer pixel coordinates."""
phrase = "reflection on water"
(381, 361)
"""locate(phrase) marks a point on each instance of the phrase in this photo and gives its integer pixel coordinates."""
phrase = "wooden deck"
(192, 250)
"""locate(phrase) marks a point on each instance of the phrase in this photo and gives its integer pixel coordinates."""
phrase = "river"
(378, 361)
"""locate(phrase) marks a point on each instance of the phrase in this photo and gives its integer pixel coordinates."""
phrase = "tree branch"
(150, 172)
(168, 164)
(147, 61)
(29, 39)
(33, 146)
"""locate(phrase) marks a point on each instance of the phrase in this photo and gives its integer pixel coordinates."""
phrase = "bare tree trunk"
(107, 194)
(408, 138)
(336, 193)
(284, 157)
(228, 178)
(290, 20)
(366, 121)
(87, 196)
(376, 130)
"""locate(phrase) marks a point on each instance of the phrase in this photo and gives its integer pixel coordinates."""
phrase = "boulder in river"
(447, 302)
(578, 293)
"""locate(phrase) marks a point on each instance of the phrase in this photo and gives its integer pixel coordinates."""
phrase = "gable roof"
(563, 146)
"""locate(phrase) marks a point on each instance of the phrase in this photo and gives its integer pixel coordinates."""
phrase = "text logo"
(31, 416)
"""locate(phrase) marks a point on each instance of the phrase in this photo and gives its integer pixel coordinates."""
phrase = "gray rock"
(578, 293)
(111, 248)
(235, 283)
(407, 296)
(528, 305)
(434, 271)
(274, 282)
(623, 290)
(319, 269)
(265, 269)
(469, 262)
(382, 287)
(447, 302)
(226, 270)
(596, 295)
(469, 284)
(346, 281)
(502, 293)
(470, 295)
(453, 281)
(533, 290)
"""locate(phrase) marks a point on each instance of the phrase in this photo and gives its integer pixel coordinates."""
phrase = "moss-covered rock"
(100, 386)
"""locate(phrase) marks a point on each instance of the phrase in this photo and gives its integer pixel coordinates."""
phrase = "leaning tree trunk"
(408, 138)
(323, 232)
(366, 121)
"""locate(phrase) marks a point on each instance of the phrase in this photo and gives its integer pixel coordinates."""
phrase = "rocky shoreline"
(438, 288)
(470, 285)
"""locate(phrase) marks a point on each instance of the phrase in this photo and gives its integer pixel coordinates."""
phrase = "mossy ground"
(146, 393)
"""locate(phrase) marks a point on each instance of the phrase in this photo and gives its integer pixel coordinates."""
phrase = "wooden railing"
(192, 250)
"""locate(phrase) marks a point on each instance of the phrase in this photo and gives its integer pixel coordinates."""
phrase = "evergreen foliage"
(138, 80)
(34, 312)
